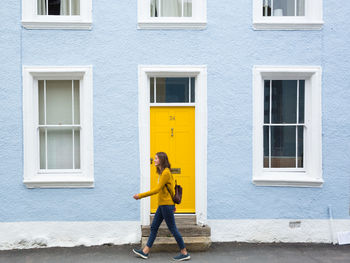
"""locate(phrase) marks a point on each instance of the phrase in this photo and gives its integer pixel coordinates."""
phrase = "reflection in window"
(171, 8)
(283, 129)
(59, 124)
(283, 7)
(172, 90)
(58, 7)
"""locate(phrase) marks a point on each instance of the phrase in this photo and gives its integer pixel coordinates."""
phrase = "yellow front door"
(173, 132)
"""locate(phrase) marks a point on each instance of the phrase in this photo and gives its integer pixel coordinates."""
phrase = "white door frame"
(200, 72)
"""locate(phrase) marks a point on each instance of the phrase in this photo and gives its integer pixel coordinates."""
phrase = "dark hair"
(163, 162)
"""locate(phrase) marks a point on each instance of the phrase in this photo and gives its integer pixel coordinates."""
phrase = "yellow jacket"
(164, 198)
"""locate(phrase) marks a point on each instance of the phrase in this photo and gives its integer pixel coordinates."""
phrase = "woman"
(165, 208)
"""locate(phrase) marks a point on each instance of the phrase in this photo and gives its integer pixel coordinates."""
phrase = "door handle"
(172, 132)
(151, 160)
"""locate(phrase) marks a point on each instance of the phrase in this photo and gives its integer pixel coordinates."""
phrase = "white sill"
(78, 25)
(265, 25)
(52, 181)
(199, 25)
(287, 179)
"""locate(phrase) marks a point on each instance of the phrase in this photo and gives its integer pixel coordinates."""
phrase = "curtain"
(75, 7)
(300, 7)
(187, 8)
(171, 8)
(41, 7)
(65, 6)
(154, 7)
(289, 8)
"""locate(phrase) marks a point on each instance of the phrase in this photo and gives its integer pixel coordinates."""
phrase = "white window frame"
(31, 20)
(311, 175)
(60, 178)
(313, 19)
(197, 21)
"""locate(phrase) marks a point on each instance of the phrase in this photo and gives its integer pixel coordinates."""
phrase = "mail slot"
(176, 170)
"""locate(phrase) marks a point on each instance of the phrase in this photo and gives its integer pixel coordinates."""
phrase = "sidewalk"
(218, 253)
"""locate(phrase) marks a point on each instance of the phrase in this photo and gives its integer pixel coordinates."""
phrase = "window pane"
(171, 8)
(300, 147)
(41, 102)
(77, 149)
(284, 101)
(193, 89)
(70, 7)
(60, 149)
(266, 7)
(76, 102)
(42, 148)
(54, 7)
(154, 8)
(283, 147)
(172, 90)
(267, 101)
(301, 7)
(41, 7)
(75, 7)
(187, 8)
(58, 7)
(152, 90)
(301, 101)
(284, 8)
(59, 102)
(266, 147)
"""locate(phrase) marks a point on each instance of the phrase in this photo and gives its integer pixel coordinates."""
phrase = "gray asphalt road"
(218, 253)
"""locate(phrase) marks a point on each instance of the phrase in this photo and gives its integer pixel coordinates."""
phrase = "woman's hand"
(136, 197)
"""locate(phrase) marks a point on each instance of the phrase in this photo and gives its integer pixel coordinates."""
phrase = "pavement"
(218, 253)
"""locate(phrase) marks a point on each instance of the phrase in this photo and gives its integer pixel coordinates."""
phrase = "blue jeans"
(165, 212)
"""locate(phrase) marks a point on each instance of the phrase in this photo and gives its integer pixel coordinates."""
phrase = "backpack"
(178, 193)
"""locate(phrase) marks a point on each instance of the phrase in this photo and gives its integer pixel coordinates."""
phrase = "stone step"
(181, 219)
(168, 244)
(185, 231)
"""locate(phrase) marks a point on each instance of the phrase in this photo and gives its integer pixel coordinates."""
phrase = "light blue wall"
(230, 48)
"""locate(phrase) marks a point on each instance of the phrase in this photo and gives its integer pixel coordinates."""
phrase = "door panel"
(173, 132)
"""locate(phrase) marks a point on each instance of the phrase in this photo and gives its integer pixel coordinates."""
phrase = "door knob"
(151, 159)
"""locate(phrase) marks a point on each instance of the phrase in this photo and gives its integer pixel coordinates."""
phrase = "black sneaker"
(140, 253)
(182, 257)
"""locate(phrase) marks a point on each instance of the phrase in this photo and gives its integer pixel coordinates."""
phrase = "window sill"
(265, 25)
(79, 25)
(59, 182)
(287, 179)
(172, 25)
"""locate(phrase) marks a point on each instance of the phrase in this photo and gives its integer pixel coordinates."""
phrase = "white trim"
(31, 20)
(277, 230)
(197, 21)
(171, 25)
(311, 175)
(56, 25)
(313, 19)
(59, 181)
(172, 104)
(33, 176)
(200, 72)
(25, 235)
